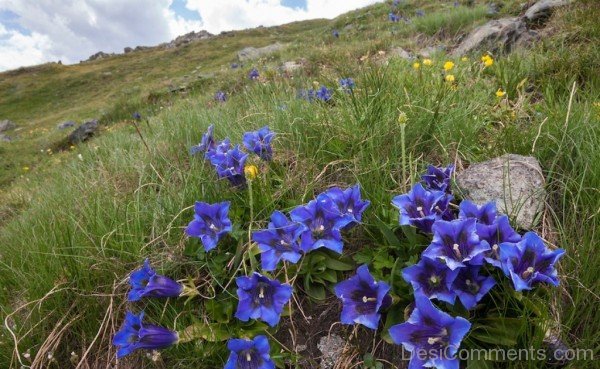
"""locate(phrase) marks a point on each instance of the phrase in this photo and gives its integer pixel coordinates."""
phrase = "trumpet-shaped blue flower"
(323, 223)
(420, 13)
(363, 298)
(253, 75)
(280, 241)
(470, 286)
(249, 354)
(220, 96)
(393, 18)
(335, 33)
(259, 142)
(529, 262)
(347, 84)
(235, 65)
(432, 278)
(349, 202)
(261, 298)
(216, 149)
(230, 165)
(323, 93)
(146, 283)
(135, 335)
(137, 116)
(456, 243)
(438, 179)
(210, 224)
(207, 144)
(432, 336)
(421, 208)
(491, 228)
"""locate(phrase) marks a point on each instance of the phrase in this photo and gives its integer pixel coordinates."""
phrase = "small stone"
(6, 124)
(332, 348)
(250, 53)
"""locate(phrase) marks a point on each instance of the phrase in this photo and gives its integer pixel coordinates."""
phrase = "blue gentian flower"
(280, 241)
(420, 13)
(261, 298)
(220, 96)
(218, 149)
(396, 2)
(529, 262)
(393, 17)
(210, 224)
(323, 223)
(323, 94)
(253, 75)
(259, 142)
(432, 336)
(470, 286)
(307, 95)
(146, 283)
(438, 179)
(230, 165)
(456, 243)
(249, 354)
(491, 228)
(349, 202)
(347, 84)
(363, 298)
(421, 208)
(456, 4)
(234, 65)
(136, 335)
(137, 116)
(207, 144)
(432, 278)
(335, 33)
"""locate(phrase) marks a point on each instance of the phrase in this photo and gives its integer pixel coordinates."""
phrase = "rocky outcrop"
(6, 125)
(83, 132)
(399, 52)
(187, 38)
(99, 55)
(251, 53)
(514, 182)
(494, 36)
(542, 10)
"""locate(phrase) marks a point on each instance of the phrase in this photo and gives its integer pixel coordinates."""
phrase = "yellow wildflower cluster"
(487, 60)
(448, 66)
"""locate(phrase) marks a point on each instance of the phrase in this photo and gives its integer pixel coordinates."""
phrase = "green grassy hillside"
(77, 222)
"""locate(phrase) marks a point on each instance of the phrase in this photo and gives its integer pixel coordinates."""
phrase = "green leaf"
(388, 234)
(498, 330)
(339, 265)
(316, 291)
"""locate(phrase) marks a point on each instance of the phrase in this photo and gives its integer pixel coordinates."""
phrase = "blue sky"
(38, 31)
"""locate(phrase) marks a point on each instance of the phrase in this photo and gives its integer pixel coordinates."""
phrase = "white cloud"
(72, 30)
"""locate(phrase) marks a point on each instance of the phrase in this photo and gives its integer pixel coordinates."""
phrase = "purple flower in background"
(249, 354)
(420, 13)
(230, 165)
(396, 2)
(432, 336)
(207, 143)
(347, 84)
(456, 4)
(470, 286)
(432, 278)
(363, 298)
(308, 95)
(211, 222)
(349, 202)
(393, 17)
(146, 283)
(438, 179)
(137, 116)
(259, 142)
(218, 149)
(491, 228)
(335, 33)
(234, 66)
(253, 75)
(323, 94)
(221, 96)
(456, 243)
(135, 335)
(421, 208)
(279, 241)
(529, 262)
(323, 223)
(261, 298)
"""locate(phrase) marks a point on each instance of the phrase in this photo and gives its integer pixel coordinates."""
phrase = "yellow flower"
(417, 65)
(449, 78)
(25, 169)
(251, 171)
(73, 147)
(487, 60)
(464, 59)
(427, 62)
(500, 93)
(448, 66)
(402, 118)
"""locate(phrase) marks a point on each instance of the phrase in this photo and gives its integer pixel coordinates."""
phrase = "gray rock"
(187, 38)
(514, 182)
(291, 66)
(401, 53)
(5, 138)
(349, 27)
(250, 53)
(6, 124)
(543, 9)
(495, 35)
(99, 55)
(127, 50)
(83, 132)
(332, 348)
(66, 124)
(430, 50)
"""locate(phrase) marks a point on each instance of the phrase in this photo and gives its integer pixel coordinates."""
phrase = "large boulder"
(250, 53)
(495, 35)
(514, 182)
(83, 132)
(542, 10)
(6, 124)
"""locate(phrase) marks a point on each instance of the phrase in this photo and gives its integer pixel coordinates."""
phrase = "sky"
(38, 31)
